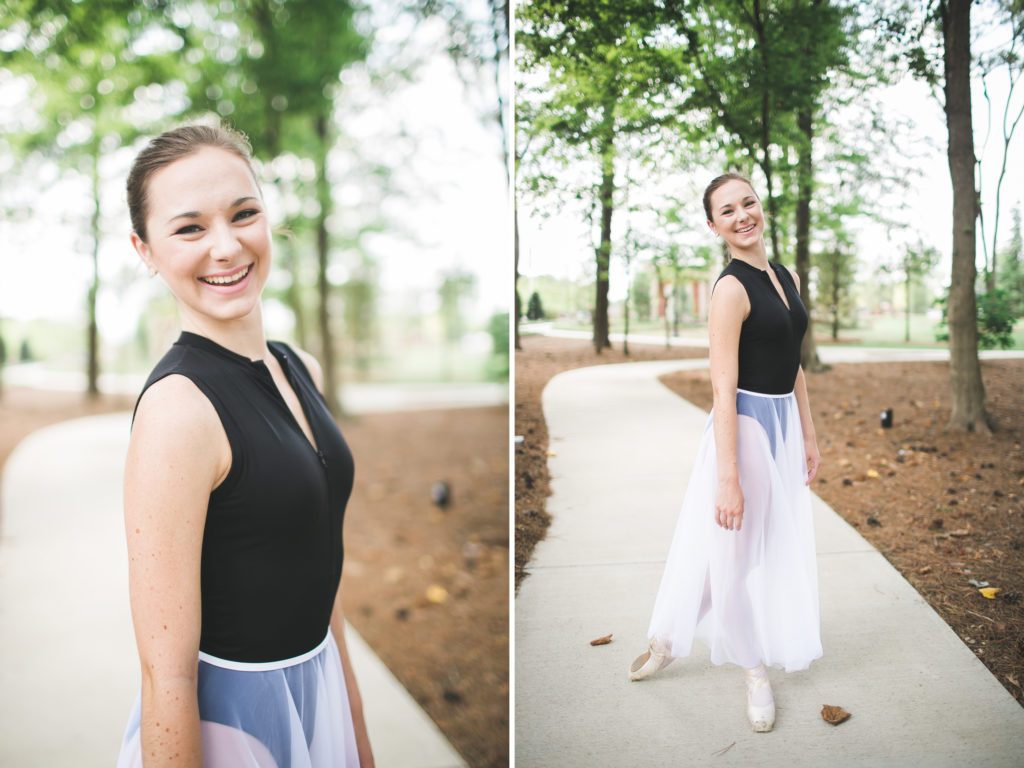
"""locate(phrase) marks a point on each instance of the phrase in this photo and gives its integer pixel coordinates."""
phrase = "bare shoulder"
(174, 404)
(313, 366)
(176, 425)
(729, 297)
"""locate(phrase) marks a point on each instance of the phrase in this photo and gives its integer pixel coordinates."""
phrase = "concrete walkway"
(68, 665)
(623, 446)
(356, 397)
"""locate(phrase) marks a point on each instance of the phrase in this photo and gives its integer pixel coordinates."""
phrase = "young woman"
(235, 488)
(741, 574)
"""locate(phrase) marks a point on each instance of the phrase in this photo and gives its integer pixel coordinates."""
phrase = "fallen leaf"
(602, 640)
(834, 715)
(436, 593)
(925, 569)
(872, 473)
(990, 592)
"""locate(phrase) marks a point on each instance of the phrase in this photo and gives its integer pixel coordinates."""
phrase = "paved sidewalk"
(623, 446)
(356, 397)
(68, 666)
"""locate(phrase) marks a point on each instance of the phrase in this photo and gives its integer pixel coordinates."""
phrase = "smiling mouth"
(744, 231)
(237, 277)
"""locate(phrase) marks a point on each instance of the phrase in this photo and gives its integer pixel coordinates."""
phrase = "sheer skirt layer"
(751, 595)
(287, 714)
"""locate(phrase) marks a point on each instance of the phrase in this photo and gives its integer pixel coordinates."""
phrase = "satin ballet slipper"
(760, 702)
(653, 660)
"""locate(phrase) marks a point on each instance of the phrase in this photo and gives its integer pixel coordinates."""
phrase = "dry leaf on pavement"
(834, 715)
(602, 640)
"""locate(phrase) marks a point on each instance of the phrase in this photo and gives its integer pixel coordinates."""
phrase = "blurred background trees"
(380, 152)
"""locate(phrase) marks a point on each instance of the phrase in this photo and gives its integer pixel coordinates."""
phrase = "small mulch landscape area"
(946, 509)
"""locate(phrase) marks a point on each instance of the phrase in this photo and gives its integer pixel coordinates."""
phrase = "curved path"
(622, 447)
(68, 667)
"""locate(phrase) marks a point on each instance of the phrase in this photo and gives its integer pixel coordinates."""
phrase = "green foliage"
(498, 363)
(995, 320)
(640, 294)
(534, 308)
(455, 288)
(1011, 274)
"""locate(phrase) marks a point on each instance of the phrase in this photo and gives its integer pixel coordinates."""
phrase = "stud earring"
(152, 272)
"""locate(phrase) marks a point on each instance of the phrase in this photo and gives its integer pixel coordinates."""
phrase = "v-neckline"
(764, 272)
(198, 340)
(781, 292)
(285, 365)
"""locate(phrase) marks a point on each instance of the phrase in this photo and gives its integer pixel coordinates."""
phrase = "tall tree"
(765, 68)
(278, 78)
(83, 61)
(608, 73)
(968, 390)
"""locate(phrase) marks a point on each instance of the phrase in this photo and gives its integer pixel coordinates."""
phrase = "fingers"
(731, 521)
(813, 462)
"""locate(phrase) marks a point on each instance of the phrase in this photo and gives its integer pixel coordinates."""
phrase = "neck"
(243, 335)
(756, 256)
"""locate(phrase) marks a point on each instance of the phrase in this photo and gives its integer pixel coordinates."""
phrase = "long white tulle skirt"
(284, 714)
(750, 595)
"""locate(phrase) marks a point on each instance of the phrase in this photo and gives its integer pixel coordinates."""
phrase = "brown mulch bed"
(426, 586)
(449, 649)
(944, 508)
(539, 359)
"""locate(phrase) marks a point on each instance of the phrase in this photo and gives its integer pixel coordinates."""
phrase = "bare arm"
(807, 426)
(729, 307)
(804, 406)
(355, 700)
(178, 452)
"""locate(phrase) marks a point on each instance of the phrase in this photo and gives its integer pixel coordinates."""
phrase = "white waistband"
(264, 666)
(760, 394)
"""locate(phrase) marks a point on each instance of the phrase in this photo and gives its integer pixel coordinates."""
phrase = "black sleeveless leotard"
(769, 353)
(272, 546)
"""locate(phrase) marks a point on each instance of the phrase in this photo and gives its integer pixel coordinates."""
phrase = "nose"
(225, 245)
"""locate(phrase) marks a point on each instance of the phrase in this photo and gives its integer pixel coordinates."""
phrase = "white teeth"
(227, 279)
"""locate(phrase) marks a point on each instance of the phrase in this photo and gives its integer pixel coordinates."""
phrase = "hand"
(729, 505)
(813, 458)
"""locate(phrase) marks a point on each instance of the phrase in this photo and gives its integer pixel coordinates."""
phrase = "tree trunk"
(92, 330)
(323, 193)
(967, 389)
(805, 175)
(293, 294)
(604, 250)
(906, 312)
(515, 285)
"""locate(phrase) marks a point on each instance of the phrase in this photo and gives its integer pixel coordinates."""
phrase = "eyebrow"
(195, 214)
(729, 205)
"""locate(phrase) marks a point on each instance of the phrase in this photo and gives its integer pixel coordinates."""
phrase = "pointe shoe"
(761, 716)
(654, 659)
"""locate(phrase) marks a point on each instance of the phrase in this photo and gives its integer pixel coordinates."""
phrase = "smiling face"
(208, 236)
(737, 215)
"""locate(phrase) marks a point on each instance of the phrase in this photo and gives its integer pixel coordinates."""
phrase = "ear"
(711, 226)
(143, 250)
